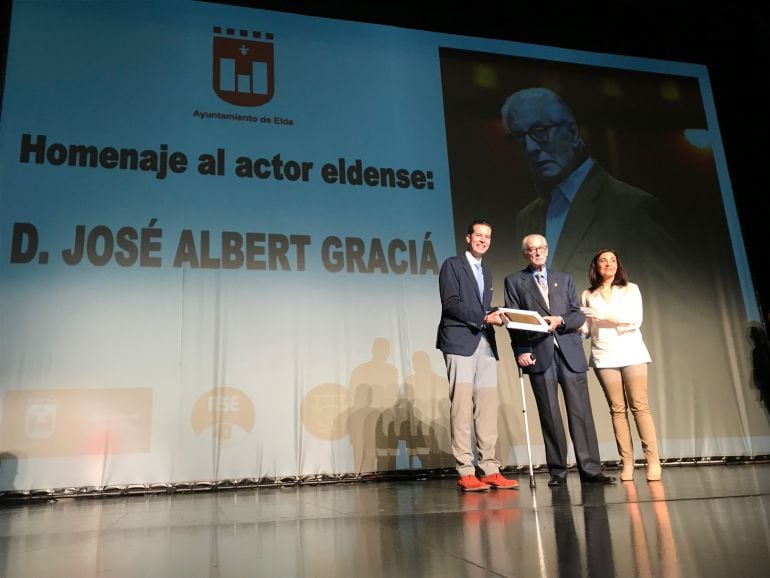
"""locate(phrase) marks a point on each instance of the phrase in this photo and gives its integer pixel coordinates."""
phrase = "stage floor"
(700, 521)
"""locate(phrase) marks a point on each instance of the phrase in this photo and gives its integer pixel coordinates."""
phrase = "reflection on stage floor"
(699, 521)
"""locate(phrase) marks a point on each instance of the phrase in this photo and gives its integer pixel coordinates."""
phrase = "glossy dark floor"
(699, 521)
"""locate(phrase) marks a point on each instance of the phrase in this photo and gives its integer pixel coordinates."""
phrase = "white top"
(621, 344)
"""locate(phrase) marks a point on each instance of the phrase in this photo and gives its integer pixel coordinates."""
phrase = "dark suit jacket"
(606, 214)
(462, 310)
(521, 292)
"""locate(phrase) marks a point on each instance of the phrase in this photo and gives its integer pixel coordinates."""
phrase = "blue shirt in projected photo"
(561, 200)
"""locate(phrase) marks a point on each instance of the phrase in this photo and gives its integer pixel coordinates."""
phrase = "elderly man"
(555, 358)
(466, 337)
(580, 207)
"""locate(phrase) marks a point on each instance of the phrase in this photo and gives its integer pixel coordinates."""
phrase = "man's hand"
(496, 318)
(525, 359)
(553, 322)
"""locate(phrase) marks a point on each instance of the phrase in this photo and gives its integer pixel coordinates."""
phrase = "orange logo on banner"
(243, 66)
(222, 408)
(44, 423)
(324, 410)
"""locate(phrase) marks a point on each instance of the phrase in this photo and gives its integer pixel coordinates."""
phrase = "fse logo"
(226, 411)
(243, 66)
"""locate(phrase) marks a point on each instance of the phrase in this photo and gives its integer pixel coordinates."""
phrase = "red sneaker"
(471, 484)
(498, 482)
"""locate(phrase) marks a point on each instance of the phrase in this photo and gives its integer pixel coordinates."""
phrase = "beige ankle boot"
(627, 473)
(653, 471)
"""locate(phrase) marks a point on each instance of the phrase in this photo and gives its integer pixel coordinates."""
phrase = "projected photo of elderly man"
(580, 207)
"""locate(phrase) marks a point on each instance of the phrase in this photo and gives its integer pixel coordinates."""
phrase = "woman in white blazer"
(613, 308)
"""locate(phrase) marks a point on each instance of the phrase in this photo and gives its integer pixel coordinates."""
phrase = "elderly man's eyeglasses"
(541, 134)
(536, 250)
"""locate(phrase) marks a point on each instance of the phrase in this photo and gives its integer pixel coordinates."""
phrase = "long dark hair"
(621, 279)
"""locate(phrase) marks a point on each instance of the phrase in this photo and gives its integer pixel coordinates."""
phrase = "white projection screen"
(221, 230)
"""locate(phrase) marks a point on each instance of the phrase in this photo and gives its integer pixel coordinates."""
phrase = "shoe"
(498, 482)
(471, 483)
(653, 472)
(627, 473)
(557, 481)
(598, 479)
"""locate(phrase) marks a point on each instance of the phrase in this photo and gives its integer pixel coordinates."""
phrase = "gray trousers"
(473, 393)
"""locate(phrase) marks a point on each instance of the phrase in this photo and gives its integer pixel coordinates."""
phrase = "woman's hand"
(591, 313)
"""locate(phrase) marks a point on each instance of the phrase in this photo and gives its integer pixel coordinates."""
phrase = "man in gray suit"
(555, 358)
(467, 340)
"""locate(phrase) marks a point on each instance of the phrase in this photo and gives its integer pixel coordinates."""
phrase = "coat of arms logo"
(243, 66)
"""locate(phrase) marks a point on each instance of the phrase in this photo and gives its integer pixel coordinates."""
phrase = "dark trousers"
(580, 419)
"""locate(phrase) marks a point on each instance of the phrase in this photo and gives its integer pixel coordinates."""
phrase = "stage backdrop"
(221, 230)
